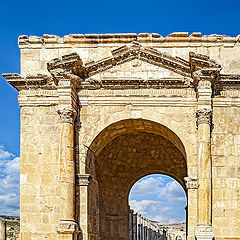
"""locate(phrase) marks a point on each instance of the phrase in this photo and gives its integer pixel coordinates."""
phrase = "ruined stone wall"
(226, 167)
(39, 171)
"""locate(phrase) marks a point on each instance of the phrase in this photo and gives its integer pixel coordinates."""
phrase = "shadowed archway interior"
(120, 155)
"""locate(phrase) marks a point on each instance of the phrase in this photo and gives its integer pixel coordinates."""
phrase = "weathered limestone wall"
(39, 171)
(226, 168)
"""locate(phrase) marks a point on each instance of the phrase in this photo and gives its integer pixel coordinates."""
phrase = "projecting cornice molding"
(182, 38)
(63, 69)
(30, 81)
(70, 69)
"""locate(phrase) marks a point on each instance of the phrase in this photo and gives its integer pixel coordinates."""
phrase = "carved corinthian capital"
(67, 115)
(204, 116)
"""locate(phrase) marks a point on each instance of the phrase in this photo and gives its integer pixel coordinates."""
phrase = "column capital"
(191, 183)
(67, 115)
(204, 232)
(67, 227)
(204, 116)
(84, 179)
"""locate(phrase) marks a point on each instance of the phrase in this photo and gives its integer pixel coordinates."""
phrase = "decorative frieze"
(204, 116)
(67, 115)
(191, 183)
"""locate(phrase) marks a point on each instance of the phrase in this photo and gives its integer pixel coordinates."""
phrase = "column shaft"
(204, 174)
(67, 172)
(67, 227)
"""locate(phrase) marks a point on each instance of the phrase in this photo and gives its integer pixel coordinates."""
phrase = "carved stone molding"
(204, 232)
(204, 116)
(132, 52)
(84, 179)
(67, 227)
(191, 183)
(67, 115)
(30, 82)
(207, 76)
(64, 68)
(200, 61)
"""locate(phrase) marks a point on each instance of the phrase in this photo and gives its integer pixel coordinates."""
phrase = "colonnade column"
(205, 79)
(67, 109)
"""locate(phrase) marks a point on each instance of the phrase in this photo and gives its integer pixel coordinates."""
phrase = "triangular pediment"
(136, 69)
(132, 66)
(135, 53)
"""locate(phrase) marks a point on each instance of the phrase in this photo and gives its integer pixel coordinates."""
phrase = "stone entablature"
(118, 38)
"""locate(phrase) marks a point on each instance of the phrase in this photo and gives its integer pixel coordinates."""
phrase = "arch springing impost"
(191, 183)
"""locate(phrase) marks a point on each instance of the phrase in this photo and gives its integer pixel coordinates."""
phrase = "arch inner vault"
(139, 147)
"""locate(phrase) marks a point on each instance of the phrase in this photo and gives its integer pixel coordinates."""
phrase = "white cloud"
(173, 192)
(5, 154)
(150, 185)
(9, 183)
(159, 198)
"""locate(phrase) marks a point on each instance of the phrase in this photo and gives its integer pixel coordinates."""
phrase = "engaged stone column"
(204, 117)
(205, 78)
(83, 183)
(191, 208)
(67, 226)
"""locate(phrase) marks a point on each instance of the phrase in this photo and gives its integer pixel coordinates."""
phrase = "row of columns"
(68, 228)
(141, 228)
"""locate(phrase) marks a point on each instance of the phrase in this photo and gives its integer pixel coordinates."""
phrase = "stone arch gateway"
(100, 111)
(120, 155)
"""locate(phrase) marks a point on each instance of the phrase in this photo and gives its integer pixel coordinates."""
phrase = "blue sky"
(65, 17)
(160, 198)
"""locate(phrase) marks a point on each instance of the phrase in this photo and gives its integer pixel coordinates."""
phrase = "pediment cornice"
(71, 68)
(135, 51)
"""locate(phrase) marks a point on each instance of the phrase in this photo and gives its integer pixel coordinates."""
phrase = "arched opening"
(120, 155)
(158, 208)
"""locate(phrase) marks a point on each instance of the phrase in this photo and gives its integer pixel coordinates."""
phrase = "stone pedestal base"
(204, 232)
(67, 230)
